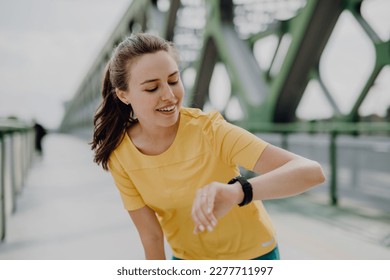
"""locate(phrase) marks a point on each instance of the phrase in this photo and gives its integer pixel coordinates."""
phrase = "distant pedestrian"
(40, 132)
(177, 168)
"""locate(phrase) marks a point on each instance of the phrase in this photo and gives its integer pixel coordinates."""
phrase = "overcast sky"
(46, 47)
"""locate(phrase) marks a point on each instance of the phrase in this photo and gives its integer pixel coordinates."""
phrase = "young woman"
(177, 169)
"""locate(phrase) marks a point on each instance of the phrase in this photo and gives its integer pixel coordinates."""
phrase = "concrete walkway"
(70, 209)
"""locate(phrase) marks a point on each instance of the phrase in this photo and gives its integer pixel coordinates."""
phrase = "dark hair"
(113, 117)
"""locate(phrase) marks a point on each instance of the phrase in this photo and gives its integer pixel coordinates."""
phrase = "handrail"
(319, 127)
(332, 129)
(16, 151)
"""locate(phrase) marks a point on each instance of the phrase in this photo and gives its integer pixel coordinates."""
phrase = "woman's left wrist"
(238, 193)
(246, 193)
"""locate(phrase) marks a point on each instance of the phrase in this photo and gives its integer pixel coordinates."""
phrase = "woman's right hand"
(212, 202)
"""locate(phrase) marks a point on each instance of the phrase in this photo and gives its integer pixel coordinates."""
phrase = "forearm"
(150, 232)
(290, 179)
(284, 174)
(154, 248)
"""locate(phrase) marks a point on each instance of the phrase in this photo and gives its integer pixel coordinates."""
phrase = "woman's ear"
(122, 95)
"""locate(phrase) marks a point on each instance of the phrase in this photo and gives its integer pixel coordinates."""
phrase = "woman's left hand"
(213, 202)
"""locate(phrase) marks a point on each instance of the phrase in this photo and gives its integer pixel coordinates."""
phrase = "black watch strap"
(246, 188)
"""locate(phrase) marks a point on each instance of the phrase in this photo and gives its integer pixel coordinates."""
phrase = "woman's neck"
(153, 141)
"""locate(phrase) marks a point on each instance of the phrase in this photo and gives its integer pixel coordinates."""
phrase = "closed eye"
(151, 90)
(174, 83)
(170, 83)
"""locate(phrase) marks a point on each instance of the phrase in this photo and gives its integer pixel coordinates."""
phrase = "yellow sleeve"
(235, 145)
(131, 198)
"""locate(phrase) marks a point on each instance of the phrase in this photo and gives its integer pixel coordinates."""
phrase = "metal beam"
(171, 20)
(223, 44)
(312, 31)
(204, 72)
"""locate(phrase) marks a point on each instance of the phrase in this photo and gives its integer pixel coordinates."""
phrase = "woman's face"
(155, 90)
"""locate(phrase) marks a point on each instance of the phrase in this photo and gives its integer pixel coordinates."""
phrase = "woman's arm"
(283, 174)
(150, 232)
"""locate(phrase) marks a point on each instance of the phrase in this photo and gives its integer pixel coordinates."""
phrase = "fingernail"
(214, 223)
(201, 227)
(210, 228)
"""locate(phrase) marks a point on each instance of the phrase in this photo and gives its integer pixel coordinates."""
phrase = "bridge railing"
(16, 154)
(334, 133)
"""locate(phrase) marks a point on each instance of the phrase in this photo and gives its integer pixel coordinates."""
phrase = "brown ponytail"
(113, 117)
(111, 121)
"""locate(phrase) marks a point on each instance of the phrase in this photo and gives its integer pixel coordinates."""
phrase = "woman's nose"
(167, 93)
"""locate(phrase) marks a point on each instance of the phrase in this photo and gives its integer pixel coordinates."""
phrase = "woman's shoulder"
(198, 115)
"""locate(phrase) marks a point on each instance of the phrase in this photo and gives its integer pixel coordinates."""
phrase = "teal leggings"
(273, 255)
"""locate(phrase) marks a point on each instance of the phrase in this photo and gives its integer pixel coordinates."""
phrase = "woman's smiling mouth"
(167, 109)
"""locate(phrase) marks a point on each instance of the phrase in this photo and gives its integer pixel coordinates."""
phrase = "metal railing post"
(16, 155)
(2, 188)
(333, 168)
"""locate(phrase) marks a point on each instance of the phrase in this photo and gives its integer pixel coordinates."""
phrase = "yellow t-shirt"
(206, 149)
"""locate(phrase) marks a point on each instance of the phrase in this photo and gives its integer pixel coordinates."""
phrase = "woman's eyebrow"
(173, 74)
(149, 81)
(153, 80)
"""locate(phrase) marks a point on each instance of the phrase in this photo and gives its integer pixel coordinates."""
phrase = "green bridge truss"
(261, 91)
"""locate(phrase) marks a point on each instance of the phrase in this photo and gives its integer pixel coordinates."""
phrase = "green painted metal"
(205, 69)
(269, 101)
(221, 43)
(78, 111)
(382, 53)
(217, 32)
(296, 28)
(309, 31)
(171, 20)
